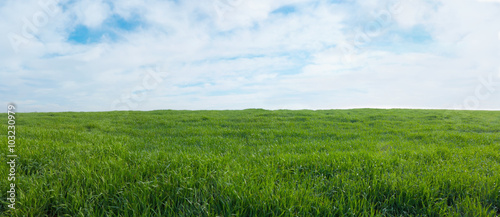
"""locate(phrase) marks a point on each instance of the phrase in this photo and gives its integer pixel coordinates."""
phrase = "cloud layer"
(83, 55)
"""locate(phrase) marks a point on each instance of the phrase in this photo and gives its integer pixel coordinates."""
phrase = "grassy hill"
(255, 163)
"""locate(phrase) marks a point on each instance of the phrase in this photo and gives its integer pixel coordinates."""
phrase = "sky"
(100, 55)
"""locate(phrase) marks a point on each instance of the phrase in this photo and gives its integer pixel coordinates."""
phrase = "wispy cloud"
(78, 55)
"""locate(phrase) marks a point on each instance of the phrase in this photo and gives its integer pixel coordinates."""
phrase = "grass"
(362, 162)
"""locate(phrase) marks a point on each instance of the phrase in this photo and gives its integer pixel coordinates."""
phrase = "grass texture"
(360, 162)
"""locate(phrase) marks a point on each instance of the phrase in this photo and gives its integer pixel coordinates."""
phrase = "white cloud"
(91, 13)
(250, 57)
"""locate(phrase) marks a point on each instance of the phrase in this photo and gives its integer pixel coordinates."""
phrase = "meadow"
(359, 162)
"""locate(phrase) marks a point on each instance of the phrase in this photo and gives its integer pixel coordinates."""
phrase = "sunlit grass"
(256, 163)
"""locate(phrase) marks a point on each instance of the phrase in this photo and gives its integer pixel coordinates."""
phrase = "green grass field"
(361, 162)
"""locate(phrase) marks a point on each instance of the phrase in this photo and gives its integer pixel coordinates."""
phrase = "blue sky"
(75, 55)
